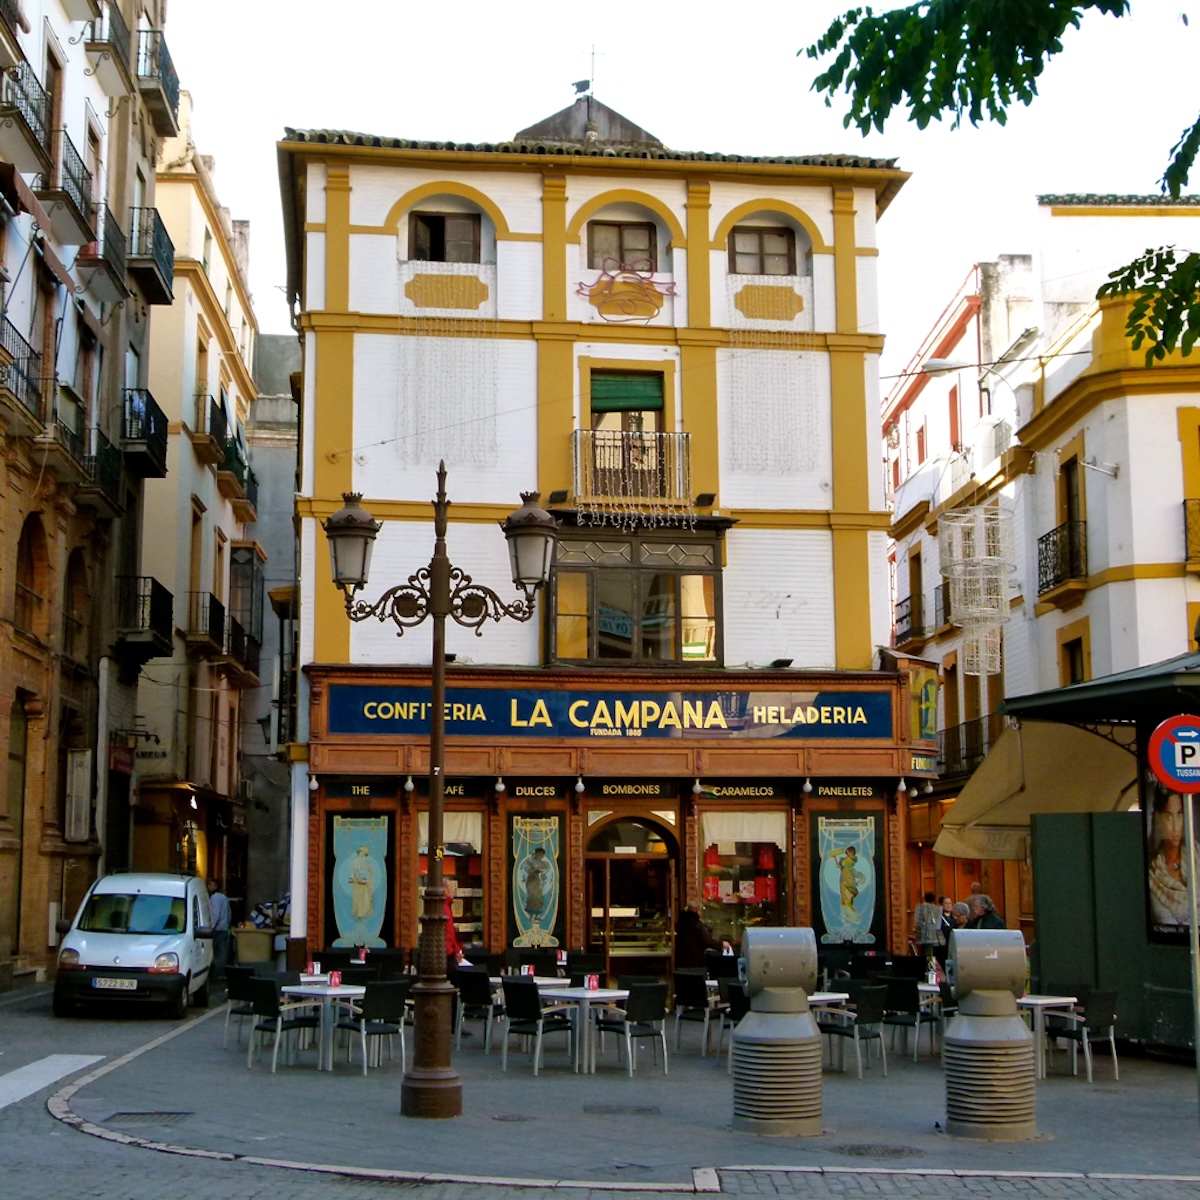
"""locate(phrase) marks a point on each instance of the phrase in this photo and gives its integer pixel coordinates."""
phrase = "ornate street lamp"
(432, 1087)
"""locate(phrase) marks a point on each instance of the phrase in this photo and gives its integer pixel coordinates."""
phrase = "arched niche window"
(450, 229)
(29, 601)
(767, 243)
(75, 609)
(634, 237)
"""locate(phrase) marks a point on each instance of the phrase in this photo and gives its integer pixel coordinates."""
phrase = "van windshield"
(121, 912)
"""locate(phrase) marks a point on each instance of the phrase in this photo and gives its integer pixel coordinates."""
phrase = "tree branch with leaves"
(972, 60)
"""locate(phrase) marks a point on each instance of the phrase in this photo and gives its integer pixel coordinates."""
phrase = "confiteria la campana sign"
(495, 712)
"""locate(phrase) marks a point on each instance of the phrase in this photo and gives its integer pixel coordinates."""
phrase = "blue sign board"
(552, 713)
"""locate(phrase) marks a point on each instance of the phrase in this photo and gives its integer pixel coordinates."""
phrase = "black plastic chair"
(379, 1014)
(237, 997)
(272, 1015)
(525, 1015)
(579, 963)
(476, 1001)
(1095, 1024)
(863, 1023)
(736, 1000)
(693, 1003)
(904, 1010)
(643, 1015)
(719, 965)
(389, 964)
(543, 962)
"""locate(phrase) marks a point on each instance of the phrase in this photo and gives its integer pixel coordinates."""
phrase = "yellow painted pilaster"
(337, 239)
(1188, 421)
(699, 276)
(845, 261)
(555, 416)
(333, 408)
(554, 248)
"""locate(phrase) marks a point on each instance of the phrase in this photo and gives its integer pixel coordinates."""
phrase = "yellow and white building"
(679, 351)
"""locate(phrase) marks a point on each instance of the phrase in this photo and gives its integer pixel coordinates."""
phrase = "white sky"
(697, 77)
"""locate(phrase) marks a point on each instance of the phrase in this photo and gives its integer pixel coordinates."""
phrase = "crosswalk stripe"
(24, 1081)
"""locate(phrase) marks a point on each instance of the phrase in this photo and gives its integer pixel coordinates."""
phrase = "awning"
(1040, 767)
(19, 196)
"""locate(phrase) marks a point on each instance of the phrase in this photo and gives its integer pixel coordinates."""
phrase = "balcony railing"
(942, 614)
(10, 13)
(152, 254)
(613, 464)
(158, 81)
(144, 433)
(1062, 555)
(206, 620)
(252, 489)
(72, 177)
(21, 90)
(909, 619)
(111, 31)
(144, 606)
(233, 463)
(1191, 529)
(212, 429)
(23, 375)
(109, 246)
(961, 748)
(236, 647)
(104, 468)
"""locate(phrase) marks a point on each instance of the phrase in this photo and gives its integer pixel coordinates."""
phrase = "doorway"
(631, 884)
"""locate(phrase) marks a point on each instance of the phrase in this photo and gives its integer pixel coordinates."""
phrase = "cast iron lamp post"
(432, 1087)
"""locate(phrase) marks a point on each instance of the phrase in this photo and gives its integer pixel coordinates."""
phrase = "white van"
(137, 937)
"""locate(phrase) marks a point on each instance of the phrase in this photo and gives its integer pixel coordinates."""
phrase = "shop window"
(632, 244)
(636, 600)
(745, 872)
(444, 237)
(462, 865)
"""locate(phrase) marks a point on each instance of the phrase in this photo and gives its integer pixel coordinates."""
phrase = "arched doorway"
(631, 886)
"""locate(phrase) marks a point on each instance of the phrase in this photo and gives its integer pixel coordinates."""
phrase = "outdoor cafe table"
(1037, 1007)
(327, 996)
(582, 998)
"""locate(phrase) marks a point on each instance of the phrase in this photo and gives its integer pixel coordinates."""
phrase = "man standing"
(218, 913)
(693, 938)
(984, 914)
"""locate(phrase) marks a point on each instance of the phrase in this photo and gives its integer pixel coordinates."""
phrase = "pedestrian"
(693, 938)
(927, 920)
(218, 915)
(984, 914)
(946, 926)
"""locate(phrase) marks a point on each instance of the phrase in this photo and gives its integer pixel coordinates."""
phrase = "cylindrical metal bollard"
(776, 1045)
(987, 1052)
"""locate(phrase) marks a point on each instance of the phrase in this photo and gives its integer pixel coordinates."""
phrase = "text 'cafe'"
(587, 813)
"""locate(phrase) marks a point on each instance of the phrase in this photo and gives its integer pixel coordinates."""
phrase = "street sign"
(1174, 753)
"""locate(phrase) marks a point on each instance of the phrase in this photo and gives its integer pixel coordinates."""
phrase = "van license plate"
(115, 985)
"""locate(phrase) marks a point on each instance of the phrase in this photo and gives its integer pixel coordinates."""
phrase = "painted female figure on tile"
(535, 880)
(847, 878)
(359, 879)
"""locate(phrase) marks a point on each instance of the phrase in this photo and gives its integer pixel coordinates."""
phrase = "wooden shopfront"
(585, 809)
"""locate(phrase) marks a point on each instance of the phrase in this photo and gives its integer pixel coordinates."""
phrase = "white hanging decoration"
(977, 554)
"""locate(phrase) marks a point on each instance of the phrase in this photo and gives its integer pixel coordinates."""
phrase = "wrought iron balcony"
(942, 614)
(60, 443)
(210, 430)
(24, 120)
(103, 490)
(109, 47)
(205, 631)
(66, 194)
(144, 434)
(100, 265)
(151, 255)
(158, 82)
(910, 622)
(961, 748)
(231, 472)
(10, 33)
(245, 508)
(1191, 530)
(242, 654)
(1062, 556)
(20, 381)
(145, 622)
(612, 464)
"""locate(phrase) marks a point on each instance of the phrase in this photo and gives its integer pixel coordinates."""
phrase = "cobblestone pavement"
(653, 1135)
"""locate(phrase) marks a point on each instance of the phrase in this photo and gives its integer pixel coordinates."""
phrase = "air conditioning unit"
(78, 818)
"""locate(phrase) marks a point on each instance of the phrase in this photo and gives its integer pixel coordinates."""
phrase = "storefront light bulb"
(580, 787)
(409, 785)
(500, 784)
(696, 788)
(928, 788)
(312, 783)
(902, 788)
(807, 788)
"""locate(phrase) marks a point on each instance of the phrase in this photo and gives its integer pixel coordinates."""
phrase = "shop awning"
(1040, 767)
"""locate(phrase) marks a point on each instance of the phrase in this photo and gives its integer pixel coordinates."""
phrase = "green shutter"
(627, 393)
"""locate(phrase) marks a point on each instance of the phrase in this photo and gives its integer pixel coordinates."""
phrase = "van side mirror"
(204, 931)
(62, 926)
